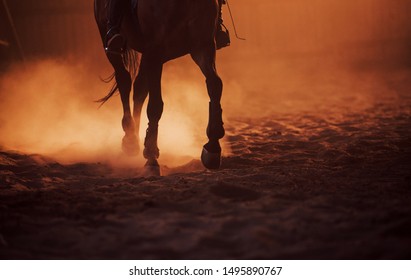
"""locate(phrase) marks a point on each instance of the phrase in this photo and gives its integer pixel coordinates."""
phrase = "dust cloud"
(49, 109)
(298, 57)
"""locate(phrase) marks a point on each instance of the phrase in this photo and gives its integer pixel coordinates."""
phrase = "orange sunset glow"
(293, 56)
(316, 156)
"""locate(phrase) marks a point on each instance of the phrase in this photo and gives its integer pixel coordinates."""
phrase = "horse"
(160, 31)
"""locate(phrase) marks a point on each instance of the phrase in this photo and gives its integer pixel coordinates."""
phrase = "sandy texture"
(327, 184)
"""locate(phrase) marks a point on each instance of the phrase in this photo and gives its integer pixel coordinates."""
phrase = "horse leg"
(155, 105)
(140, 93)
(123, 79)
(211, 154)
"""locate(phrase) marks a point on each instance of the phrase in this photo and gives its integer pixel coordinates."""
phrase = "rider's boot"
(222, 36)
(115, 42)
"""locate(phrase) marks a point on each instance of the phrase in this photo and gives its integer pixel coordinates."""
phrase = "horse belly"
(174, 27)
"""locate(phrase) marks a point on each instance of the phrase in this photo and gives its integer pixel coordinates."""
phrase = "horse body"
(164, 30)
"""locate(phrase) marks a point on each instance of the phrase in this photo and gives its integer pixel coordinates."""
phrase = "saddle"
(222, 35)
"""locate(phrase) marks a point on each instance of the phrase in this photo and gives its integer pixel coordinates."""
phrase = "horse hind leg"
(153, 69)
(140, 88)
(211, 154)
(130, 142)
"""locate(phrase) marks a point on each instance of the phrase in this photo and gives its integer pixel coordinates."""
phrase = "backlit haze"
(300, 57)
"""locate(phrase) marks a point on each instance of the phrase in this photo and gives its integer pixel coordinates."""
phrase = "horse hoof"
(210, 160)
(152, 169)
(130, 145)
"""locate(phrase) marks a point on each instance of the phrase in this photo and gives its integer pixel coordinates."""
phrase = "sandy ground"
(318, 184)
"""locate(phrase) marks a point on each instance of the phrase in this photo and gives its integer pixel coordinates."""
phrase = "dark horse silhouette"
(161, 31)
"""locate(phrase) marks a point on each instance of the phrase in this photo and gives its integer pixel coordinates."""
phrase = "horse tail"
(131, 62)
(113, 90)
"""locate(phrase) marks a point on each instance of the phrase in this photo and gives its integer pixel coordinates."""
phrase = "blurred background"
(298, 56)
(378, 29)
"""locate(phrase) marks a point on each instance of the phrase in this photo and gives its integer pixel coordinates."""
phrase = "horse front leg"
(154, 112)
(211, 154)
(140, 94)
(123, 79)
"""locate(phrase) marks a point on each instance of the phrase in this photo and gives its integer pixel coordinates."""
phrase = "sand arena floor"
(329, 183)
